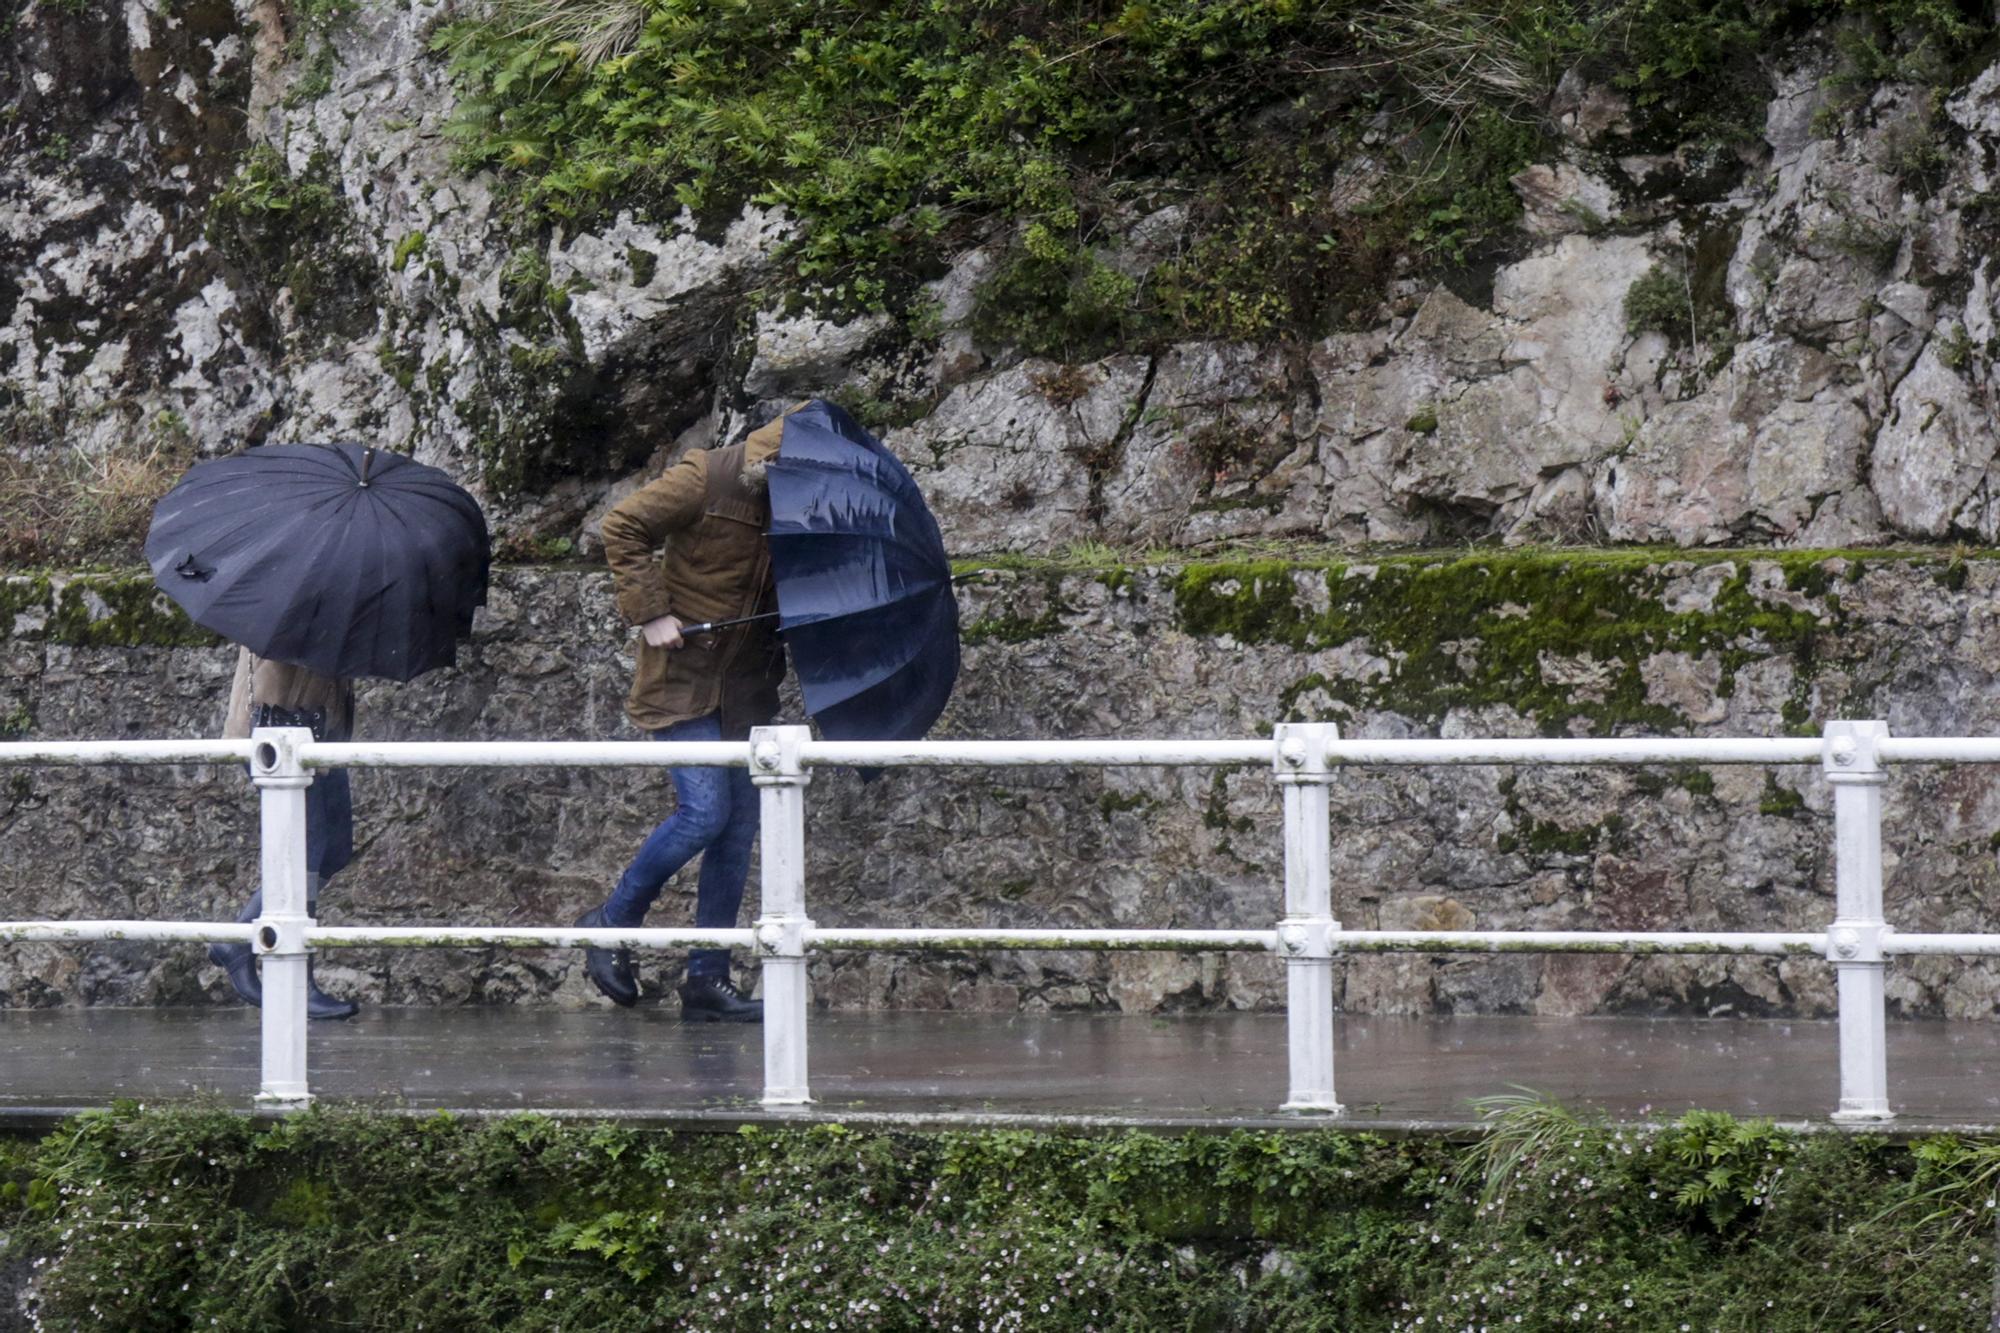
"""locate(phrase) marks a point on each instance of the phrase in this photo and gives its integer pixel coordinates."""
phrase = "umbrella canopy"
(339, 558)
(864, 586)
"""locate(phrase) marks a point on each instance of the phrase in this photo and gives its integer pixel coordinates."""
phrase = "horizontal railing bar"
(193, 932)
(525, 754)
(948, 938)
(972, 939)
(994, 754)
(1938, 750)
(1690, 750)
(523, 937)
(1573, 941)
(69, 754)
(1194, 941)
(938, 754)
(921, 754)
(1895, 943)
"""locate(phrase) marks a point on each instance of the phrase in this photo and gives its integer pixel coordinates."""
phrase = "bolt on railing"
(1305, 759)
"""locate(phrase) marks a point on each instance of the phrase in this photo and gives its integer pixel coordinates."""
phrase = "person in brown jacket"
(278, 694)
(709, 510)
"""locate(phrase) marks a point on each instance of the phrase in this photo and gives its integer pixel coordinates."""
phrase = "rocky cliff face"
(248, 218)
(227, 223)
(1718, 646)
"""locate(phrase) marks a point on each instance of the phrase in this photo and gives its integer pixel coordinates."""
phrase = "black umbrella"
(864, 586)
(340, 558)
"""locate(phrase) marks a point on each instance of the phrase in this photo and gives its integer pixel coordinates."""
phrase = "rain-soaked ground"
(937, 1068)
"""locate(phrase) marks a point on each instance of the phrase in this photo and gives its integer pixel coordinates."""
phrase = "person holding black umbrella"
(809, 527)
(323, 563)
(709, 510)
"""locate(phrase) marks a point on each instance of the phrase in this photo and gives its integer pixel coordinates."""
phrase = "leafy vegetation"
(182, 1217)
(294, 230)
(1156, 168)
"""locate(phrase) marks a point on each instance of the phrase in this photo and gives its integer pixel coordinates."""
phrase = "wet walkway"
(933, 1068)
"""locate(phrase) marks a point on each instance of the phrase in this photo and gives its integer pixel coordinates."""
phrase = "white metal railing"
(1305, 759)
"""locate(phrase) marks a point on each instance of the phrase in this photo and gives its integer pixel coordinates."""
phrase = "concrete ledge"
(1081, 1072)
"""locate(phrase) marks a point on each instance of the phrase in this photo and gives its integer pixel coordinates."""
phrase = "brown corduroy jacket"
(709, 510)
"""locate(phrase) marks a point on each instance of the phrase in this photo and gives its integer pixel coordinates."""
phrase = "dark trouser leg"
(725, 868)
(319, 1004)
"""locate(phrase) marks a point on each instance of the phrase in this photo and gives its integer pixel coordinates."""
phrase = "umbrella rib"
(423, 587)
(881, 604)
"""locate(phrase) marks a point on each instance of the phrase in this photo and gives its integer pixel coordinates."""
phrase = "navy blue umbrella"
(347, 560)
(864, 587)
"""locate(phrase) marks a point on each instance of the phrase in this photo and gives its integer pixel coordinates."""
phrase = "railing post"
(281, 931)
(1854, 940)
(778, 768)
(1306, 933)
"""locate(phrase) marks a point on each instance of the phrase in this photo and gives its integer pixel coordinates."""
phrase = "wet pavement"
(1197, 1070)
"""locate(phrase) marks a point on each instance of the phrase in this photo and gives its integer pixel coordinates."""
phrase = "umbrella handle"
(710, 626)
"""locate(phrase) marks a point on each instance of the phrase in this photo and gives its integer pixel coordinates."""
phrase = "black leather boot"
(610, 970)
(715, 1000)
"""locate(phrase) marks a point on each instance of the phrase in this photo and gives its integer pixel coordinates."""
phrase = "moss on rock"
(96, 611)
(1505, 628)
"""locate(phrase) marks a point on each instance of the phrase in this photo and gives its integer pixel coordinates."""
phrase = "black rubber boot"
(320, 1005)
(238, 961)
(715, 1000)
(240, 964)
(610, 970)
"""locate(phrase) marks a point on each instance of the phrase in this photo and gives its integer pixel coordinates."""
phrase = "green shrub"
(297, 231)
(1659, 303)
(178, 1217)
(895, 133)
(1687, 298)
(1320, 147)
(312, 24)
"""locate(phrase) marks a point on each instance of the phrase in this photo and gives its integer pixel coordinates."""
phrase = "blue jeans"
(716, 819)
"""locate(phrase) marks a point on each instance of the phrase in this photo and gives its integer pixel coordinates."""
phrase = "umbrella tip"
(367, 459)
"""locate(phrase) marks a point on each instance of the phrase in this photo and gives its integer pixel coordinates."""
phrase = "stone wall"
(1486, 644)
